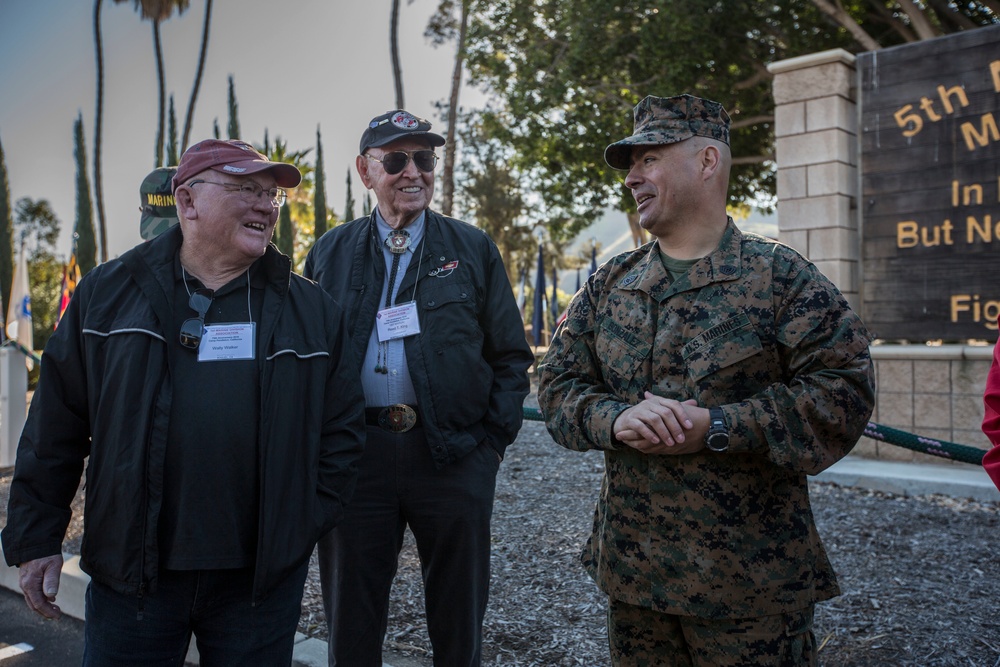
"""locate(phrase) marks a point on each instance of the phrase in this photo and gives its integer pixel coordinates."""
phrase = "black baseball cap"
(397, 124)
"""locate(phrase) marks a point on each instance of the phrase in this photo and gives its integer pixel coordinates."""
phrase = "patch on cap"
(667, 120)
(405, 120)
(398, 124)
(156, 201)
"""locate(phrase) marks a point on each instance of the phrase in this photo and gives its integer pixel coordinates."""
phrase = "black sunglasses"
(396, 161)
(193, 328)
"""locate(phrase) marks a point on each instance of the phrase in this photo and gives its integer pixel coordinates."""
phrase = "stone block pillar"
(816, 149)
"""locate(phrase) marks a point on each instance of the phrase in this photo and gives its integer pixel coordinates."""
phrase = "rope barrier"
(948, 450)
(925, 445)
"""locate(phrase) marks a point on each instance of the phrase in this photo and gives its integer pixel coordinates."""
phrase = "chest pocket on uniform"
(620, 351)
(722, 347)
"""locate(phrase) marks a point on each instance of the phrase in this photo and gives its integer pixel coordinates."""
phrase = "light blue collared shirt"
(395, 386)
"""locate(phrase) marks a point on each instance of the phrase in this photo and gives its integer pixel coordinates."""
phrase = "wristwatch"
(717, 438)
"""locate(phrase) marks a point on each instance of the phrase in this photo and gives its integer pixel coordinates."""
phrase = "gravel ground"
(919, 574)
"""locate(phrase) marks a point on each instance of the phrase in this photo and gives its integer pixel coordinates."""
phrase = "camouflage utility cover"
(667, 120)
(757, 330)
(156, 201)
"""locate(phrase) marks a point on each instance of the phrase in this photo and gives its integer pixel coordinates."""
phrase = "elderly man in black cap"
(212, 390)
(715, 369)
(440, 344)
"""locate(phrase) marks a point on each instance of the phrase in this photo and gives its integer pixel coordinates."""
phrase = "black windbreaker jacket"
(470, 360)
(105, 391)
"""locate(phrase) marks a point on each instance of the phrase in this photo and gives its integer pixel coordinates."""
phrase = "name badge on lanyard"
(398, 321)
(228, 342)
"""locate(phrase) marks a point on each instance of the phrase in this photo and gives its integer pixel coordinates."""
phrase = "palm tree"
(98, 120)
(397, 73)
(157, 11)
(197, 79)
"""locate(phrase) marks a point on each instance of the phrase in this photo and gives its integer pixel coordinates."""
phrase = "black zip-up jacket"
(470, 360)
(105, 391)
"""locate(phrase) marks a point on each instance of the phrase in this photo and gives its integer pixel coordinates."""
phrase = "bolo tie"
(397, 241)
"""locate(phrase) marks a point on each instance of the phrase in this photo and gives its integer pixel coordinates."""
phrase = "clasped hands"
(660, 425)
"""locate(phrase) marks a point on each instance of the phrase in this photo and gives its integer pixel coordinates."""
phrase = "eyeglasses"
(250, 191)
(193, 328)
(396, 161)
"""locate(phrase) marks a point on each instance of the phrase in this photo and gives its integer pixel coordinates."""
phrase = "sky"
(297, 65)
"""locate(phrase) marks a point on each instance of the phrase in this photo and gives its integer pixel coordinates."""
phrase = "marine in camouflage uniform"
(710, 542)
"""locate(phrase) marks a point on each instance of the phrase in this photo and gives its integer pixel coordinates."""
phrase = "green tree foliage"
(490, 193)
(216, 132)
(37, 227)
(172, 156)
(320, 213)
(233, 128)
(366, 206)
(84, 242)
(565, 75)
(6, 238)
(349, 204)
(300, 200)
(285, 238)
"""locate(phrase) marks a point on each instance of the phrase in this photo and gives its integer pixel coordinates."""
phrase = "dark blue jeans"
(214, 605)
(448, 511)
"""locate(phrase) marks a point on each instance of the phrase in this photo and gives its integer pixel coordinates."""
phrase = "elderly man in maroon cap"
(211, 389)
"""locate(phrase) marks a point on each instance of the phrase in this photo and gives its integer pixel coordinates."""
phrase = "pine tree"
(286, 232)
(349, 205)
(366, 207)
(216, 132)
(172, 136)
(84, 240)
(319, 194)
(234, 109)
(6, 238)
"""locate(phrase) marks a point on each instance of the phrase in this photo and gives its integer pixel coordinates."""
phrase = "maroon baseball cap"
(232, 157)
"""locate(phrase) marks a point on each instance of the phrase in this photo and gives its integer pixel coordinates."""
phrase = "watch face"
(717, 442)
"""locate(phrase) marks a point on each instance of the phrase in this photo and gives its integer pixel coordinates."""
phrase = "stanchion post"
(13, 402)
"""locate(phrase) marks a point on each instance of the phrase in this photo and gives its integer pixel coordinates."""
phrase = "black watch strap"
(717, 438)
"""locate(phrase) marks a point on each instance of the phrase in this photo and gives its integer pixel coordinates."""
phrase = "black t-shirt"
(211, 487)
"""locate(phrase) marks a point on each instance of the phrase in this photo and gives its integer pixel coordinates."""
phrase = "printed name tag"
(397, 322)
(227, 342)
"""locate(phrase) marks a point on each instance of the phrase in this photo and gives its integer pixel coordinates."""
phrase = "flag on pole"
(521, 292)
(538, 307)
(71, 276)
(554, 303)
(19, 311)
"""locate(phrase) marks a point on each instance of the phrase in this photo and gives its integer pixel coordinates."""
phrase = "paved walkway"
(958, 480)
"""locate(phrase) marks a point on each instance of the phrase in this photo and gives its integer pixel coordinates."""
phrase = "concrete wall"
(932, 391)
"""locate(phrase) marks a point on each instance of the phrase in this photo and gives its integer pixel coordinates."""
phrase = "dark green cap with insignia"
(159, 212)
(667, 120)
